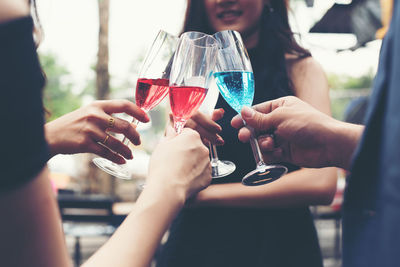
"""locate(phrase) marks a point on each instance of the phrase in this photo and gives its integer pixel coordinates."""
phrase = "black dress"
(221, 236)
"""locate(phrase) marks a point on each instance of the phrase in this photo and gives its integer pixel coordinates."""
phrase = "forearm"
(342, 143)
(31, 230)
(52, 138)
(136, 240)
(300, 188)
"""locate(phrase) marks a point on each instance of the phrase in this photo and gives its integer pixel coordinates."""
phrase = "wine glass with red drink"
(152, 87)
(191, 75)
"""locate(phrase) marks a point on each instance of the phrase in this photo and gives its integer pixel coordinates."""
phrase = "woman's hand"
(181, 163)
(85, 130)
(206, 126)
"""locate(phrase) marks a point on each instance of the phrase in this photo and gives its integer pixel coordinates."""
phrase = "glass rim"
(231, 32)
(205, 35)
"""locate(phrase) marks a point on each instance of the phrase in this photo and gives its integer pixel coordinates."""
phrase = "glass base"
(264, 174)
(112, 168)
(222, 168)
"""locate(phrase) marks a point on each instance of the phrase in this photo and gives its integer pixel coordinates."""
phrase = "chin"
(229, 27)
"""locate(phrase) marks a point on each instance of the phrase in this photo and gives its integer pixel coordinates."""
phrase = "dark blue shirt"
(371, 224)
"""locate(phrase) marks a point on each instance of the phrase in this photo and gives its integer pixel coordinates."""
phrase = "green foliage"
(345, 89)
(58, 97)
(336, 81)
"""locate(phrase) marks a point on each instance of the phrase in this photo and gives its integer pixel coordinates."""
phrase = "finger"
(237, 122)
(269, 106)
(218, 114)
(114, 144)
(169, 131)
(126, 128)
(266, 143)
(257, 120)
(204, 133)
(206, 123)
(244, 135)
(273, 156)
(104, 152)
(119, 106)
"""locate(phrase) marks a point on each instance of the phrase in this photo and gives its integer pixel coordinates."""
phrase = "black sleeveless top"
(221, 236)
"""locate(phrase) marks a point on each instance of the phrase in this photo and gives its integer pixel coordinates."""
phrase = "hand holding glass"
(235, 81)
(151, 88)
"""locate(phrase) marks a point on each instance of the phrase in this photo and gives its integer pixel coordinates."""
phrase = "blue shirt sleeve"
(23, 147)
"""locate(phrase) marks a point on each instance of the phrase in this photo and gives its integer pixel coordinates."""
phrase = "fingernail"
(222, 110)
(247, 112)
(264, 143)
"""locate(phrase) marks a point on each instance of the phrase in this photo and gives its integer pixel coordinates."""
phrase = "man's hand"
(290, 130)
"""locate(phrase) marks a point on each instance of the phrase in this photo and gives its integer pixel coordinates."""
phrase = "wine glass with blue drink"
(220, 168)
(235, 80)
(191, 74)
(151, 88)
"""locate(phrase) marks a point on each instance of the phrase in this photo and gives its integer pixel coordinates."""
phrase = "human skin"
(82, 130)
(302, 135)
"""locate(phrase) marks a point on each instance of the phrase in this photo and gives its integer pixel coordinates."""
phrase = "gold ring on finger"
(111, 122)
(105, 139)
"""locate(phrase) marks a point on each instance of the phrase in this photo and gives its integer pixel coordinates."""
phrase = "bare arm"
(168, 185)
(30, 228)
(296, 189)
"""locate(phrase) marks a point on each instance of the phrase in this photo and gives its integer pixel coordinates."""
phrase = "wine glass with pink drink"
(152, 87)
(191, 75)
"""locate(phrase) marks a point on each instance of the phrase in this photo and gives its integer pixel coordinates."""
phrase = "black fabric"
(231, 237)
(22, 141)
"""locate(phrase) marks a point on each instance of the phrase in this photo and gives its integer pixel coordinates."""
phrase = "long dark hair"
(276, 39)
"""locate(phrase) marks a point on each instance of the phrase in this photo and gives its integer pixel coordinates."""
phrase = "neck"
(251, 39)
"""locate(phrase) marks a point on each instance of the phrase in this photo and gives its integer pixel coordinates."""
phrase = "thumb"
(257, 120)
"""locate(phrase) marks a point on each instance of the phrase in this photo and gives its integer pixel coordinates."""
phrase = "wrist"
(165, 190)
(345, 138)
(51, 139)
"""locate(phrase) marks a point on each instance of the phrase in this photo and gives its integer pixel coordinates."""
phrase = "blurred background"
(84, 63)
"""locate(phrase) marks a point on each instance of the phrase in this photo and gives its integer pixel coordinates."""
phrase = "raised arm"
(179, 168)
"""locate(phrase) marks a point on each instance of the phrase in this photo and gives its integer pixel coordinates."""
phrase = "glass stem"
(213, 154)
(255, 148)
(125, 141)
(178, 125)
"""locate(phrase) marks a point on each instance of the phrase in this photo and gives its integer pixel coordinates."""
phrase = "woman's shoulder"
(300, 66)
(306, 74)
